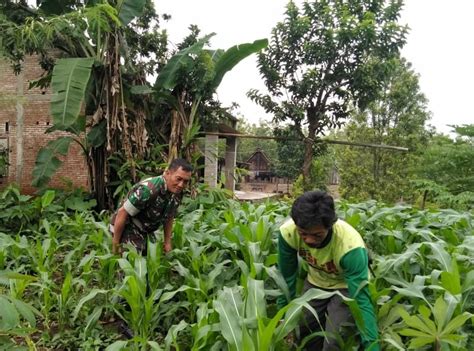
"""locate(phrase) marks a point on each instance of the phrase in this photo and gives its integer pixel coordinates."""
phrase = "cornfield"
(61, 288)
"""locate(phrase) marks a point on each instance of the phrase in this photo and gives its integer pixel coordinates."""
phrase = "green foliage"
(3, 162)
(324, 57)
(130, 9)
(247, 146)
(47, 161)
(89, 62)
(187, 83)
(69, 82)
(290, 153)
(445, 171)
(218, 287)
(397, 118)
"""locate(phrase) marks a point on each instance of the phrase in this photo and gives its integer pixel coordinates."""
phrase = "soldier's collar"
(164, 181)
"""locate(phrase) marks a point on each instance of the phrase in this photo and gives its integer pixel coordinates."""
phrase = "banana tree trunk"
(175, 136)
(99, 159)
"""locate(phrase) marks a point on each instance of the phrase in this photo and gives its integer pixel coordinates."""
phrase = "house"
(24, 118)
(261, 177)
(259, 167)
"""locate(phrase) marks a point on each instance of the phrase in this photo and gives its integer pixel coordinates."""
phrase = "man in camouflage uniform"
(151, 203)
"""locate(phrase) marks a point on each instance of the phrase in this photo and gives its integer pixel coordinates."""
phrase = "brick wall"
(24, 118)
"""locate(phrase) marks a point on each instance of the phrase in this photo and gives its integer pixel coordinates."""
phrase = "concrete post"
(230, 161)
(20, 123)
(211, 160)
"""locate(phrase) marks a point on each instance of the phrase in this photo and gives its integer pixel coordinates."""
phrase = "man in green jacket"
(337, 260)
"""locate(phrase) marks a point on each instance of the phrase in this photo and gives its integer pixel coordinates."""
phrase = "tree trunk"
(175, 136)
(423, 201)
(312, 116)
(99, 158)
(308, 159)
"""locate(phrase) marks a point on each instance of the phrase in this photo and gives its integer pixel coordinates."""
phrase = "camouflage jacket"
(149, 204)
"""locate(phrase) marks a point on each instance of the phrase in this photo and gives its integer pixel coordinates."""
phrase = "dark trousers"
(333, 313)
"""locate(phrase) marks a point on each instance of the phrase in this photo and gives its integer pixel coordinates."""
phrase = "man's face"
(176, 180)
(313, 236)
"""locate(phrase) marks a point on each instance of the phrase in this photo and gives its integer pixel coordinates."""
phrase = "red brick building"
(24, 118)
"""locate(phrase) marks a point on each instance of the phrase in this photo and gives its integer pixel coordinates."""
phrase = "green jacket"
(342, 263)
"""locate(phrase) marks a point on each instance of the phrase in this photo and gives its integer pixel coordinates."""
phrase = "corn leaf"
(117, 346)
(91, 295)
(229, 307)
(9, 316)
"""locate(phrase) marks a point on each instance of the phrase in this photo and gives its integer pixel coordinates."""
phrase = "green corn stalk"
(244, 322)
(436, 325)
(144, 305)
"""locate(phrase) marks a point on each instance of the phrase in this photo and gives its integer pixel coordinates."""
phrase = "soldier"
(149, 204)
(337, 261)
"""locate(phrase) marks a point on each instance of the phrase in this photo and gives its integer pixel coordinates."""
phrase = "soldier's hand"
(167, 247)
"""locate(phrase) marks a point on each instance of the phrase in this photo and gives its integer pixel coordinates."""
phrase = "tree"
(95, 67)
(290, 153)
(397, 117)
(189, 81)
(445, 172)
(324, 57)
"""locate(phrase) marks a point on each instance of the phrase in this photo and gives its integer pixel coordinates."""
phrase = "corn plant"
(17, 318)
(436, 325)
(245, 324)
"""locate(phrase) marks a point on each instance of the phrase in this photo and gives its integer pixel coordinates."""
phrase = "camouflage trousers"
(134, 236)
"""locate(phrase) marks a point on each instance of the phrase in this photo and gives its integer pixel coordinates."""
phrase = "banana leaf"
(168, 77)
(47, 162)
(129, 9)
(69, 82)
(231, 57)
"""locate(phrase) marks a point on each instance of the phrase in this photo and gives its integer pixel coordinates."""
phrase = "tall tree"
(398, 117)
(324, 57)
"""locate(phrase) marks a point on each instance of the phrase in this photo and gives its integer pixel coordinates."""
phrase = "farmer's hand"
(290, 339)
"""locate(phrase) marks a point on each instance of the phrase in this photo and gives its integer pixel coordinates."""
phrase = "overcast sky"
(439, 47)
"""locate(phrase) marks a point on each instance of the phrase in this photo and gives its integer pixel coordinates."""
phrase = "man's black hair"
(179, 162)
(314, 208)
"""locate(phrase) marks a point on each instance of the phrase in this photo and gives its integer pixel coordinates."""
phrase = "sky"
(439, 46)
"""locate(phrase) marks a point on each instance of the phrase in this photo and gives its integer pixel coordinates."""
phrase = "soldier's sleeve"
(137, 199)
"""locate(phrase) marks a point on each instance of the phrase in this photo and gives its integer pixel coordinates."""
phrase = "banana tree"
(189, 80)
(87, 79)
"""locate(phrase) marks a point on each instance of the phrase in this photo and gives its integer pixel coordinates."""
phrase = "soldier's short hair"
(180, 163)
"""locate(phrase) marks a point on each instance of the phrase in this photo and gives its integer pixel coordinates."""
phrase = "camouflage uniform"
(149, 205)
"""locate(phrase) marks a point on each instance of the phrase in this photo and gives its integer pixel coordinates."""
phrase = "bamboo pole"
(328, 141)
